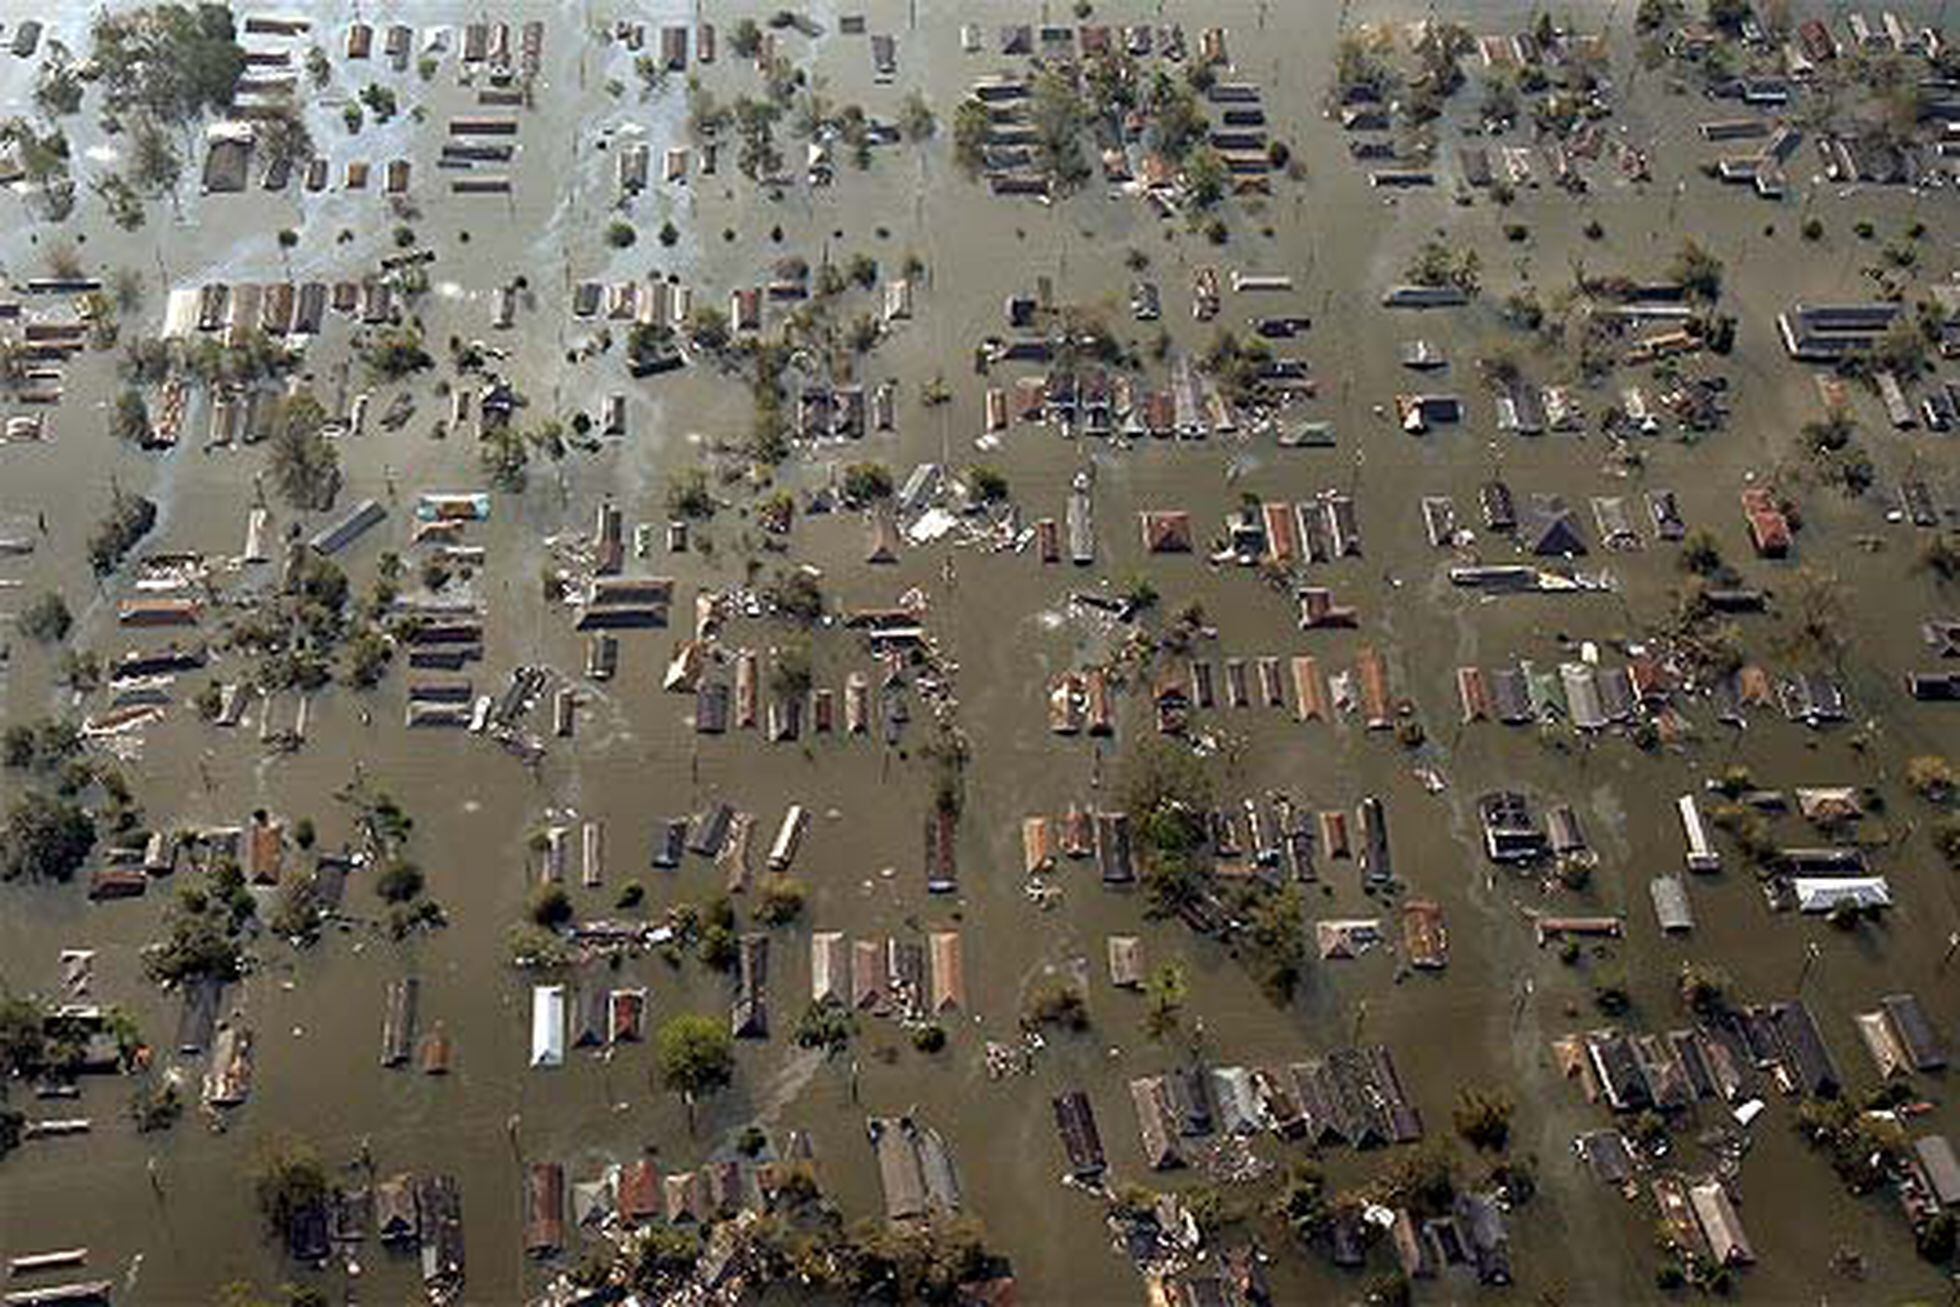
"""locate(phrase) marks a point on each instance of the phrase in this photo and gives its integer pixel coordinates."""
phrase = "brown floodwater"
(1004, 621)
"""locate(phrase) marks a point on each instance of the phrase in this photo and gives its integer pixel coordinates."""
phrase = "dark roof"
(1549, 529)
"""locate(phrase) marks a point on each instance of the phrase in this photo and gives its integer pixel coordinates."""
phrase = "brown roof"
(948, 970)
(1282, 539)
(1166, 531)
(1423, 934)
(1371, 671)
(265, 851)
(1769, 529)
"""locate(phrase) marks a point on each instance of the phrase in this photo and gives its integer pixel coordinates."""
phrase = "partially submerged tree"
(305, 465)
(45, 838)
(695, 1057)
(1483, 1118)
(46, 618)
(174, 61)
(290, 1182)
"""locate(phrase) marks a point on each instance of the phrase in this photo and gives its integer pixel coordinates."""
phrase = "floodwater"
(1486, 1021)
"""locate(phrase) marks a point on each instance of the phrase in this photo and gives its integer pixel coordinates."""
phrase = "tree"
(797, 596)
(1167, 791)
(1947, 841)
(1656, 14)
(59, 90)
(755, 123)
(1164, 994)
(305, 465)
(1940, 555)
(289, 1182)
(13, 1124)
(866, 483)
(380, 100)
(1817, 609)
(1701, 553)
(971, 129)
(202, 940)
(1728, 15)
(283, 136)
(45, 162)
(392, 354)
(790, 672)
(155, 165)
(1275, 942)
(1360, 71)
(915, 117)
(172, 60)
(1704, 988)
(1437, 264)
(986, 485)
(1698, 271)
(1610, 994)
(120, 198)
(155, 1107)
(707, 327)
(649, 345)
(1058, 1003)
(1177, 123)
(46, 618)
(1901, 350)
(1937, 1237)
(24, 1044)
(781, 903)
(506, 459)
(917, 1262)
(1483, 1119)
(131, 418)
(695, 1057)
(368, 656)
(45, 838)
(400, 883)
(827, 1024)
(129, 519)
(1059, 115)
(1206, 177)
(1931, 777)
(550, 906)
(688, 497)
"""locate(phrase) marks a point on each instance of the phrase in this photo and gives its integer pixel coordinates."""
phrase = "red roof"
(1769, 529)
(639, 1191)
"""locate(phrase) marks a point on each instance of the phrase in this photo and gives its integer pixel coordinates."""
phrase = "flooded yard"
(172, 1216)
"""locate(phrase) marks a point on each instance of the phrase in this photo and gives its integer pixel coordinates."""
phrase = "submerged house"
(548, 1025)
(1550, 529)
(1075, 1122)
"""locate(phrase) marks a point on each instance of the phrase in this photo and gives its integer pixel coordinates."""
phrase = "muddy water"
(1486, 1021)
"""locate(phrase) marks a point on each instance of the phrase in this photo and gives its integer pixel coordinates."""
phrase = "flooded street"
(171, 1216)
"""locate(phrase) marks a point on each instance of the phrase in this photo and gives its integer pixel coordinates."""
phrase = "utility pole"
(1811, 955)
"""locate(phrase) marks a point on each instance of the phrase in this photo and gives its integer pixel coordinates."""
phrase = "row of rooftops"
(274, 308)
(1352, 1096)
(404, 1211)
(1730, 1058)
(913, 980)
(1183, 685)
(483, 41)
(1268, 835)
(635, 1194)
(1138, 40)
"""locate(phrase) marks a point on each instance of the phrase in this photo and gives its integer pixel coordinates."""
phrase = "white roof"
(548, 1025)
(1822, 893)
